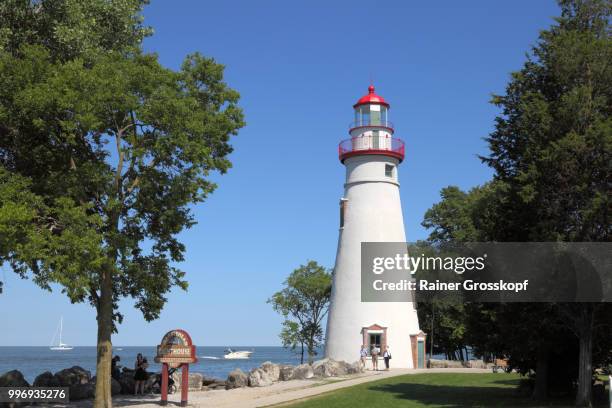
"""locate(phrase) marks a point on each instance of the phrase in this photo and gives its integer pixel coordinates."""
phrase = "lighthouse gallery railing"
(372, 144)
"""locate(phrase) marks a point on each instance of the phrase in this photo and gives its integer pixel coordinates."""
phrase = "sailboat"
(60, 346)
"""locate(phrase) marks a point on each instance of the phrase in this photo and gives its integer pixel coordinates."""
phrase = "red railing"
(370, 144)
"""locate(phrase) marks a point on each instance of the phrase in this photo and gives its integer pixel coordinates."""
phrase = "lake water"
(32, 361)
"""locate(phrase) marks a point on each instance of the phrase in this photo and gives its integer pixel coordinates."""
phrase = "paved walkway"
(278, 393)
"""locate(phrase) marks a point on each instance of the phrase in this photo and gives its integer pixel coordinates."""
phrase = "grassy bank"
(446, 390)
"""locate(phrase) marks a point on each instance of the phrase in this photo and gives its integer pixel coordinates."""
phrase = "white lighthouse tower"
(370, 211)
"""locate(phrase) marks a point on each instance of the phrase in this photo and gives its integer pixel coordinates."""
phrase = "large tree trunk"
(105, 349)
(540, 391)
(585, 362)
(302, 358)
(311, 352)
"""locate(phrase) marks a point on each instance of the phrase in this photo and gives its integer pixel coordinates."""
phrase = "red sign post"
(176, 350)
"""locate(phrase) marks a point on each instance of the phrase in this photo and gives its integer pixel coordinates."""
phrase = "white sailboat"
(60, 346)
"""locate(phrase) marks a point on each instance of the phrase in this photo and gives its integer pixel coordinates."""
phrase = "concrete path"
(278, 393)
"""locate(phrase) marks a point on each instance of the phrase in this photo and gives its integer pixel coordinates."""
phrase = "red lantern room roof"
(371, 98)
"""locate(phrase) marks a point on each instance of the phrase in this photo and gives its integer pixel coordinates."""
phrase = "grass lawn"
(446, 390)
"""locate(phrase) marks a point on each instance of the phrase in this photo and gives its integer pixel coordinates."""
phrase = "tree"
(292, 338)
(552, 146)
(304, 302)
(507, 330)
(103, 151)
(459, 217)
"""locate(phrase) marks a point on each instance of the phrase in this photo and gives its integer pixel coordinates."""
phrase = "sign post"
(176, 350)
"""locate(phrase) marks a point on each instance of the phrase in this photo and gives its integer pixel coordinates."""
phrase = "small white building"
(370, 211)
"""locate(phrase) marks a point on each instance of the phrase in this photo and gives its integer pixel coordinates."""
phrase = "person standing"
(375, 352)
(141, 375)
(387, 357)
(363, 354)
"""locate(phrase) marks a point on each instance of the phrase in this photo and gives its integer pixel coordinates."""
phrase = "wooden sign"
(176, 350)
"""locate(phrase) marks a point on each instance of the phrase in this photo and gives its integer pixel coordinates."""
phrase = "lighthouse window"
(389, 170)
(375, 114)
(374, 341)
(342, 210)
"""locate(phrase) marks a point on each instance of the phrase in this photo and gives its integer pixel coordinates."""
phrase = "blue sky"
(299, 67)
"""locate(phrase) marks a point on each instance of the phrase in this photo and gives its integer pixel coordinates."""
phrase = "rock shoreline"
(81, 384)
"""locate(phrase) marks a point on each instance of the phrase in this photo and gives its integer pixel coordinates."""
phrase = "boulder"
(81, 391)
(302, 372)
(13, 379)
(148, 387)
(126, 382)
(46, 379)
(434, 363)
(273, 370)
(344, 368)
(115, 385)
(259, 378)
(329, 368)
(355, 368)
(73, 376)
(236, 379)
(195, 380)
(476, 364)
(286, 372)
(209, 380)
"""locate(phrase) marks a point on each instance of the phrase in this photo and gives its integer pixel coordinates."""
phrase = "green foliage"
(551, 145)
(123, 147)
(71, 29)
(103, 153)
(292, 338)
(304, 302)
(551, 153)
(464, 217)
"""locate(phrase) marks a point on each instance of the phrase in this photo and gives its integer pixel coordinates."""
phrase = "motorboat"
(237, 355)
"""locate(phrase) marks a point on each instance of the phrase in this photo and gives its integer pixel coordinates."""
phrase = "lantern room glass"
(371, 115)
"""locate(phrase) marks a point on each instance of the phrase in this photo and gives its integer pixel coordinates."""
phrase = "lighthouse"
(370, 211)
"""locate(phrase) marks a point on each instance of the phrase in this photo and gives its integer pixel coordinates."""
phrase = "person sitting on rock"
(115, 370)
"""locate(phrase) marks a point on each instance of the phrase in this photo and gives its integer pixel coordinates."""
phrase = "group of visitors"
(374, 352)
(140, 372)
